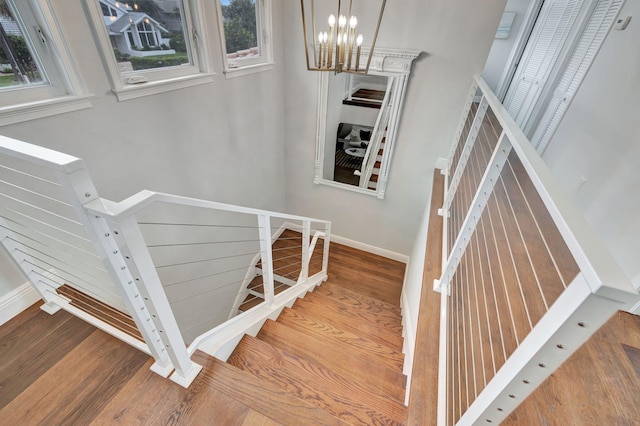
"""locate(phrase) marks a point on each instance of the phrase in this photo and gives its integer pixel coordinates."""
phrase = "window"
(108, 11)
(245, 31)
(150, 46)
(37, 77)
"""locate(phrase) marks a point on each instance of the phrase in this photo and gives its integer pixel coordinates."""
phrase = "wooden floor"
(59, 370)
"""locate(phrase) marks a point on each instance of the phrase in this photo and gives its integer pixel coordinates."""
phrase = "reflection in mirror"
(353, 106)
(357, 123)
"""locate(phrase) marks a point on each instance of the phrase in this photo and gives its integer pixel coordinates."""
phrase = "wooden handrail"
(423, 401)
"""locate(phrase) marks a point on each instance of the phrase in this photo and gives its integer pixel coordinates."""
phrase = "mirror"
(357, 123)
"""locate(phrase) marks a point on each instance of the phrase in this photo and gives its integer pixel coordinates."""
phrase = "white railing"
(525, 281)
(180, 267)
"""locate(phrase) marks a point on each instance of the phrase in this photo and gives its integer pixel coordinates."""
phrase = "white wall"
(456, 36)
(501, 48)
(10, 276)
(221, 141)
(599, 140)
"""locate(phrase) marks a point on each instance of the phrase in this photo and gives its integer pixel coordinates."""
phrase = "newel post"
(306, 255)
(132, 267)
(264, 228)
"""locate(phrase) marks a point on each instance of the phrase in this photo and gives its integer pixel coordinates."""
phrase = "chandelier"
(334, 37)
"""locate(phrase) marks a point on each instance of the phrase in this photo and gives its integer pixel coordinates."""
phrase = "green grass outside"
(6, 80)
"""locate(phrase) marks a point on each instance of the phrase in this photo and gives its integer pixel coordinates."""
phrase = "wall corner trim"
(16, 301)
(442, 163)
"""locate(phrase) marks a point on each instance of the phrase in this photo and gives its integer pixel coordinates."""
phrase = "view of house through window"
(18, 63)
(240, 19)
(146, 34)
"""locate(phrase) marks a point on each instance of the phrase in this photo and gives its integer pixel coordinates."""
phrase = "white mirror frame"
(394, 64)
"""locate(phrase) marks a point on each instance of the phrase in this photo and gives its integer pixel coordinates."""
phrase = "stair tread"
(313, 326)
(372, 312)
(390, 321)
(382, 379)
(287, 255)
(347, 321)
(118, 319)
(258, 286)
(345, 295)
(249, 302)
(271, 401)
(315, 384)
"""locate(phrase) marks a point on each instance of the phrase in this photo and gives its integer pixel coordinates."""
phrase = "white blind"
(549, 35)
(588, 45)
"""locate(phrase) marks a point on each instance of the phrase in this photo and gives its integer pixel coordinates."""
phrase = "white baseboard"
(370, 249)
(409, 343)
(16, 301)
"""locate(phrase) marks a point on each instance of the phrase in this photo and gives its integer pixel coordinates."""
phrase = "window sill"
(248, 69)
(133, 91)
(39, 109)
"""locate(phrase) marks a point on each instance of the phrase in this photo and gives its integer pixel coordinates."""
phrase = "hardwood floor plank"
(312, 383)
(78, 386)
(390, 382)
(23, 319)
(597, 385)
(387, 320)
(271, 401)
(311, 326)
(25, 332)
(358, 300)
(370, 330)
(138, 400)
(33, 361)
(256, 419)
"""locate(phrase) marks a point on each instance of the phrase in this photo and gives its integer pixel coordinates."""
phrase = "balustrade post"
(325, 253)
(480, 199)
(306, 255)
(465, 154)
(266, 254)
(132, 267)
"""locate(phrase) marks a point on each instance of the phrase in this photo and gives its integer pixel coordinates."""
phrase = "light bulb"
(359, 40)
(325, 36)
(320, 37)
(353, 22)
(332, 20)
(342, 21)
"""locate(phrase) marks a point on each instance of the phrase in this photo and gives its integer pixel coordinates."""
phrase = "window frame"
(135, 84)
(240, 67)
(64, 90)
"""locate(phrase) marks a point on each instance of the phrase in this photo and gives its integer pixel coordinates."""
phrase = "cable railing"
(177, 272)
(525, 280)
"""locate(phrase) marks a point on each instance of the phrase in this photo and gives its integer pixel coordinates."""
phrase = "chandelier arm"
(375, 36)
(304, 31)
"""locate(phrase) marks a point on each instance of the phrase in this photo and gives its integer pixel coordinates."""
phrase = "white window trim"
(265, 62)
(154, 81)
(72, 96)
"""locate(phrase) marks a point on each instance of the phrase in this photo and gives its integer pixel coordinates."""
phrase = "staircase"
(336, 354)
(287, 259)
(373, 180)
